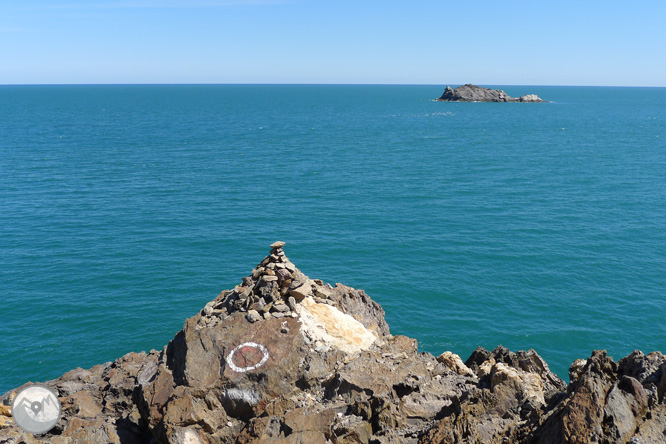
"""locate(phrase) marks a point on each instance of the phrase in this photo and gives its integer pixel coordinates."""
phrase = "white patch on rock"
(187, 436)
(326, 326)
(454, 363)
(485, 368)
(530, 382)
(248, 396)
(147, 373)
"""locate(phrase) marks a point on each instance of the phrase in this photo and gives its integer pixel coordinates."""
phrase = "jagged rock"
(605, 404)
(454, 363)
(5, 416)
(576, 368)
(97, 405)
(473, 93)
(324, 368)
(510, 390)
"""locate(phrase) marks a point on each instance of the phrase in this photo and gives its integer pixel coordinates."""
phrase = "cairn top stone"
(278, 244)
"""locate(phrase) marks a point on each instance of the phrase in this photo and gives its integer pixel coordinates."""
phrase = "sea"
(125, 208)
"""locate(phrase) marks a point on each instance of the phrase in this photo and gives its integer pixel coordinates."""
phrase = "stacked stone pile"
(272, 290)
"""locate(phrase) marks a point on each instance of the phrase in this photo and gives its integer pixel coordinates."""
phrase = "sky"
(433, 42)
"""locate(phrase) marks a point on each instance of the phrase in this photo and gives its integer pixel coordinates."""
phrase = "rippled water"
(124, 209)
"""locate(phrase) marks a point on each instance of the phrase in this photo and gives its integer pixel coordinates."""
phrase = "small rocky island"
(473, 93)
(282, 358)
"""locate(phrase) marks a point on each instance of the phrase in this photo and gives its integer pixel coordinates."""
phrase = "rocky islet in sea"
(282, 358)
(473, 93)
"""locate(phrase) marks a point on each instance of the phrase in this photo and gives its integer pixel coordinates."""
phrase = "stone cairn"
(272, 290)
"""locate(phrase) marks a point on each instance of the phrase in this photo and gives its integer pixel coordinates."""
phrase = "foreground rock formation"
(282, 358)
(473, 93)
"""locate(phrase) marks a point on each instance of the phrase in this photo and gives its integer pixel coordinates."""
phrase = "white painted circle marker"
(247, 356)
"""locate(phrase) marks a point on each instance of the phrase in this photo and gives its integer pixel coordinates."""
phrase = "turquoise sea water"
(124, 209)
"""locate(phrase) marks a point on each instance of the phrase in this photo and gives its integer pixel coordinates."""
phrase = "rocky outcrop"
(610, 402)
(283, 358)
(473, 93)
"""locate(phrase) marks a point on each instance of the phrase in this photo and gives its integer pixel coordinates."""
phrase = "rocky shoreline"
(283, 358)
(473, 93)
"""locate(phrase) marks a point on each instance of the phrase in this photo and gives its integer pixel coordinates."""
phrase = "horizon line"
(316, 84)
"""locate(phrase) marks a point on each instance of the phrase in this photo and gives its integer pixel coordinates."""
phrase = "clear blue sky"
(336, 41)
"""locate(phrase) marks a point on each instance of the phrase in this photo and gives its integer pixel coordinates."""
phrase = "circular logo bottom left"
(36, 409)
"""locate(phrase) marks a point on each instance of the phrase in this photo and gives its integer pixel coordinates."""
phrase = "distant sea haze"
(124, 209)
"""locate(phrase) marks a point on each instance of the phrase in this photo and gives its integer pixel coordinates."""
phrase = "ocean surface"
(124, 209)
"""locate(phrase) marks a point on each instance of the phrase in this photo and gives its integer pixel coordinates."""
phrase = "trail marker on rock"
(247, 356)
